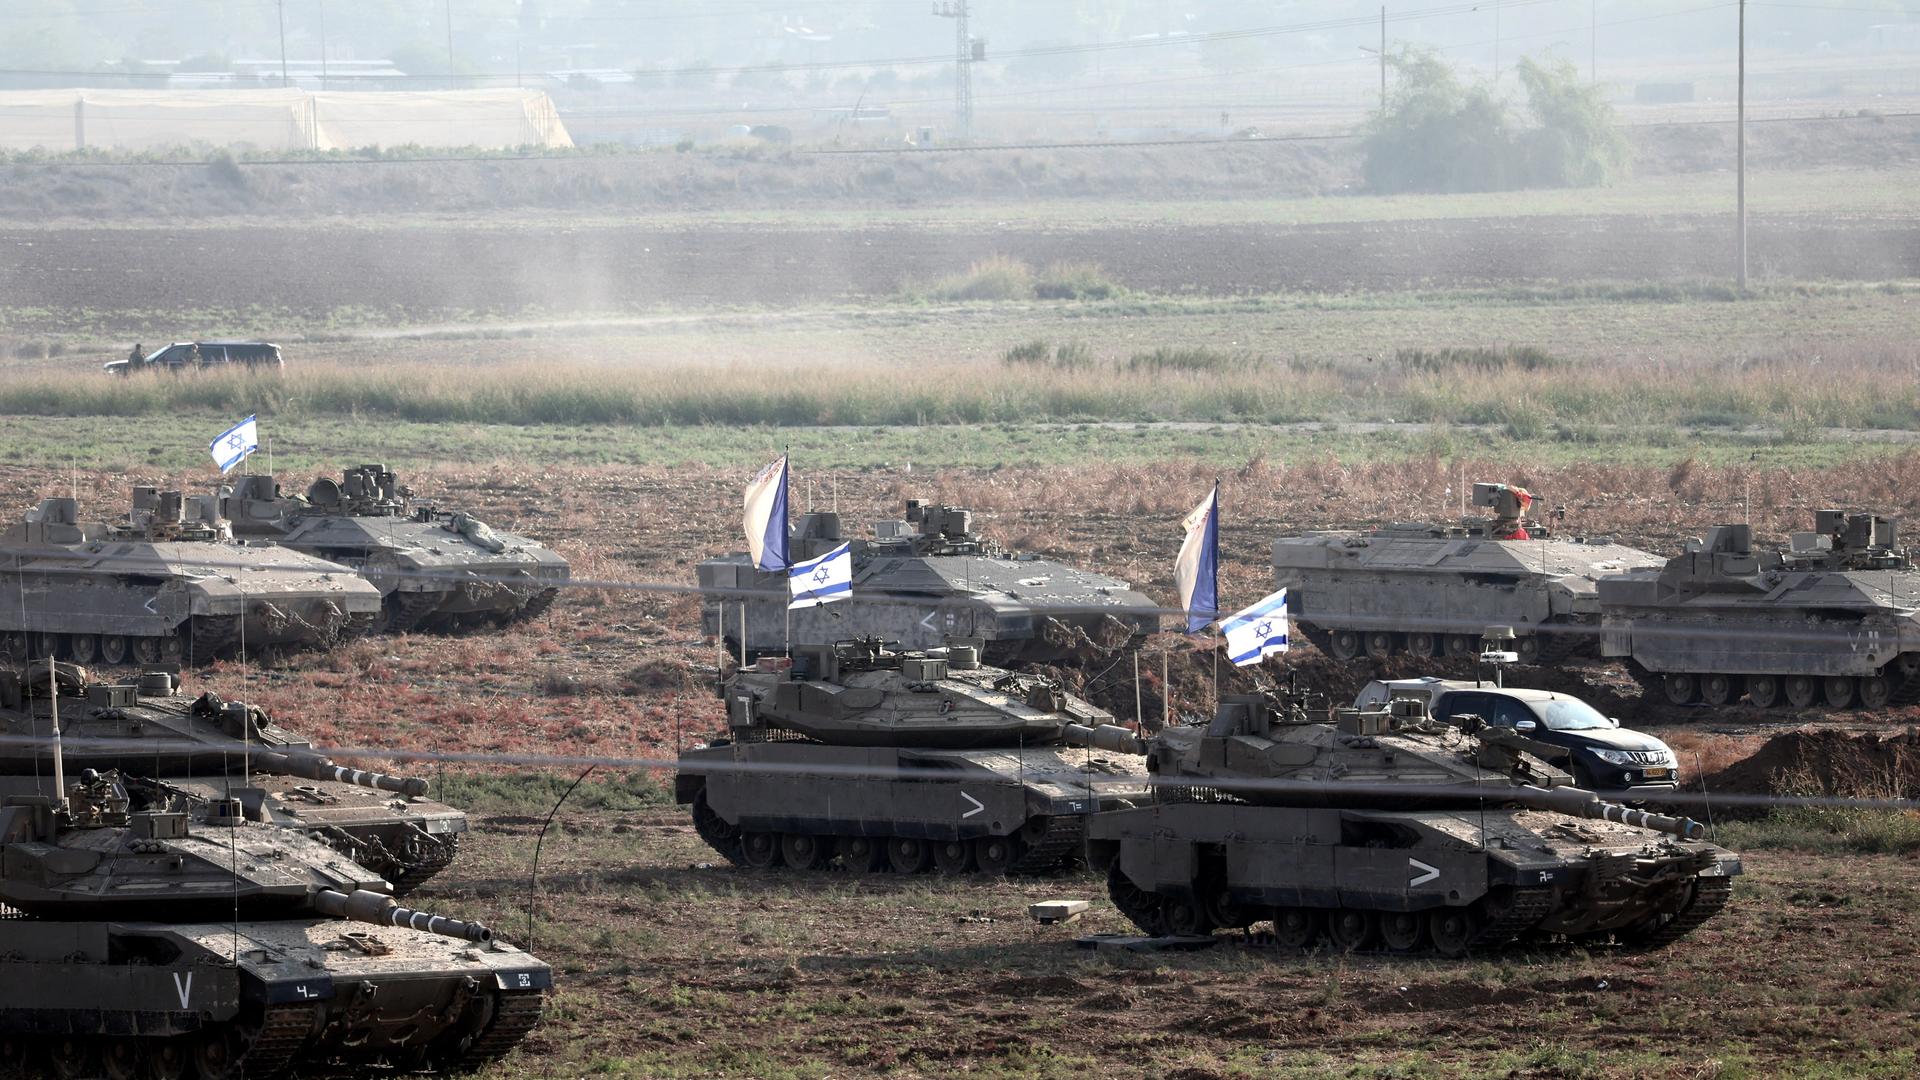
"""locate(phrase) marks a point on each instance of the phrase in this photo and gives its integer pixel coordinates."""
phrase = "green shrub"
(997, 278)
(1192, 360)
(1071, 356)
(1504, 358)
(1851, 830)
(1075, 281)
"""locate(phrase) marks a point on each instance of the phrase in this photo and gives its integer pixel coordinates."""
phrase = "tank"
(922, 582)
(152, 933)
(1430, 590)
(877, 759)
(209, 748)
(167, 586)
(1390, 830)
(435, 569)
(1831, 619)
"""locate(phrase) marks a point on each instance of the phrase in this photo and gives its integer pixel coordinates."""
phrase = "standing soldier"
(137, 359)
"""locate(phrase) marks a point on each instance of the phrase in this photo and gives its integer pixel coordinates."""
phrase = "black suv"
(1601, 755)
(198, 355)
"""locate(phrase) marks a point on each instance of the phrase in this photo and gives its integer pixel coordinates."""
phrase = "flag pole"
(1166, 688)
(1139, 710)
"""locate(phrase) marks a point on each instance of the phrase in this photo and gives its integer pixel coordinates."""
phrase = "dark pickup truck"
(202, 355)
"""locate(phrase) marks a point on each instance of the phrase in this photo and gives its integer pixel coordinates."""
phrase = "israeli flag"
(1257, 632)
(767, 517)
(1197, 570)
(822, 580)
(234, 444)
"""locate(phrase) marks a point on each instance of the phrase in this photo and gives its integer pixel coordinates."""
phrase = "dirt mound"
(1827, 762)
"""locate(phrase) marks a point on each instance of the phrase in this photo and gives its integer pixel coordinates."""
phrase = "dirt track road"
(434, 271)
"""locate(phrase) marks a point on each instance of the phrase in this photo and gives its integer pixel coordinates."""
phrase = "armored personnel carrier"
(922, 582)
(153, 934)
(880, 759)
(1835, 618)
(208, 748)
(167, 586)
(1430, 590)
(1391, 830)
(435, 569)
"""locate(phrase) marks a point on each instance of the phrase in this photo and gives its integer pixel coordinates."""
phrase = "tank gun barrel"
(1580, 802)
(380, 910)
(1104, 737)
(315, 767)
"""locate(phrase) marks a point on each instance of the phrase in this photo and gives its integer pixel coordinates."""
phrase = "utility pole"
(284, 81)
(449, 42)
(1740, 151)
(963, 52)
(323, 44)
(1593, 42)
(1496, 40)
(1383, 60)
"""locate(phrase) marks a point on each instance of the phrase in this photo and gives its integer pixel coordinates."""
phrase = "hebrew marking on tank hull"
(1431, 590)
(160, 934)
(905, 761)
(165, 587)
(434, 569)
(212, 748)
(925, 581)
(1835, 618)
(1390, 830)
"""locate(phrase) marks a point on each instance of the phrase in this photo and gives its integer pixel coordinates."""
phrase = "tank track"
(283, 1031)
(436, 856)
(210, 637)
(1709, 896)
(1525, 908)
(515, 1013)
(358, 626)
(1056, 846)
(713, 829)
(536, 605)
(409, 610)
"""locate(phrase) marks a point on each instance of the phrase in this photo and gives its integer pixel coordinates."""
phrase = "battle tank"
(1389, 829)
(1836, 617)
(209, 748)
(1429, 590)
(922, 582)
(154, 934)
(881, 759)
(168, 585)
(435, 569)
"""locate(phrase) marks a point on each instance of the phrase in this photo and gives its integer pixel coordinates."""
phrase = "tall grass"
(1188, 384)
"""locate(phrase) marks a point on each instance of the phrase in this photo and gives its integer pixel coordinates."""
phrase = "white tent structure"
(289, 119)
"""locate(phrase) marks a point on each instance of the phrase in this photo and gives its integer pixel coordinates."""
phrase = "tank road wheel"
(1875, 691)
(1460, 646)
(803, 851)
(1451, 928)
(148, 650)
(120, 1059)
(907, 855)
(1186, 917)
(1345, 645)
(83, 648)
(13, 1056)
(1295, 928)
(713, 828)
(1142, 908)
(218, 1053)
(1680, 689)
(45, 645)
(1801, 690)
(114, 648)
(760, 850)
(1839, 690)
(995, 855)
(1352, 930)
(1719, 689)
(15, 643)
(1403, 931)
(166, 1059)
(1428, 646)
(1763, 691)
(71, 1057)
(1379, 645)
(1527, 648)
(861, 854)
(1221, 911)
(952, 857)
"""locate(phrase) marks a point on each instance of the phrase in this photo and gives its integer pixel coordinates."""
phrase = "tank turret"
(1430, 589)
(922, 580)
(210, 747)
(434, 568)
(1833, 619)
(1390, 829)
(193, 932)
(882, 758)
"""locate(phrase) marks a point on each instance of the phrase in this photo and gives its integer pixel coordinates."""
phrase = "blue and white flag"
(1197, 570)
(234, 444)
(767, 517)
(822, 580)
(1256, 632)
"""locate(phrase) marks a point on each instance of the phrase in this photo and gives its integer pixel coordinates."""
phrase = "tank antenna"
(1706, 798)
(533, 879)
(59, 761)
